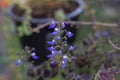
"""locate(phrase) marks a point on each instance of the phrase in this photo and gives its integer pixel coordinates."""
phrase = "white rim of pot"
(74, 13)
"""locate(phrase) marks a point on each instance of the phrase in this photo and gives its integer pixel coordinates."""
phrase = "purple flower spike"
(69, 34)
(18, 62)
(51, 42)
(72, 48)
(50, 49)
(34, 56)
(52, 25)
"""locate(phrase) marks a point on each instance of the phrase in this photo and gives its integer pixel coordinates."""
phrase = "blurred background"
(15, 15)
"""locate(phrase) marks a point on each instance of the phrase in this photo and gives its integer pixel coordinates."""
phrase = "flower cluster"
(61, 52)
(25, 55)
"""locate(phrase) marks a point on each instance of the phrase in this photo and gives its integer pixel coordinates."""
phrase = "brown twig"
(101, 24)
(113, 45)
(93, 23)
(37, 29)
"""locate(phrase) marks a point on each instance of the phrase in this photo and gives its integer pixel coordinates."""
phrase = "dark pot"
(16, 13)
(38, 40)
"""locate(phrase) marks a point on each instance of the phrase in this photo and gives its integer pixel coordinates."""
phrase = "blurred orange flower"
(4, 3)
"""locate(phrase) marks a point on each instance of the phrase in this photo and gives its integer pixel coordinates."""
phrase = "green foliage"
(23, 29)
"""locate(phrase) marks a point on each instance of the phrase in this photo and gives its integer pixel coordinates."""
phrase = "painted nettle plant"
(91, 63)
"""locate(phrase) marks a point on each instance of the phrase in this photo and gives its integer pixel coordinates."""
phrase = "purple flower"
(51, 56)
(53, 63)
(34, 55)
(73, 58)
(51, 42)
(105, 33)
(53, 52)
(59, 52)
(63, 25)
(69, 34)
(50, 49)
(52, 25)
(54, 33)
(97, 34)
(72, 48)
(58, 38)
(18, 62)
(64, 62)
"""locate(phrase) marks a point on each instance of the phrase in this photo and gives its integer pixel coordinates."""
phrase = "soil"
(18, 10)
(49, 10)
(46, 11)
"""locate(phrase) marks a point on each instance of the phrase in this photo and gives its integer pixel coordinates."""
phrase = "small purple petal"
(53, 52)
(73, 58)
(64, 62)
(63, 25)
(72, 48)
(51, 42)
(59, 52)
(53, 64)
(33, 54)
(105, 33)
(51, 56)
(35, 57)
(18, 62)
(52, 25)
(97, 34)
(54, 33)
(58, 38)
(33, 49)
(69, 34)
(50, 49)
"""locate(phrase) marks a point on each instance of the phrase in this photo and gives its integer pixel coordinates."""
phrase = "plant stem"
(99, 24)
